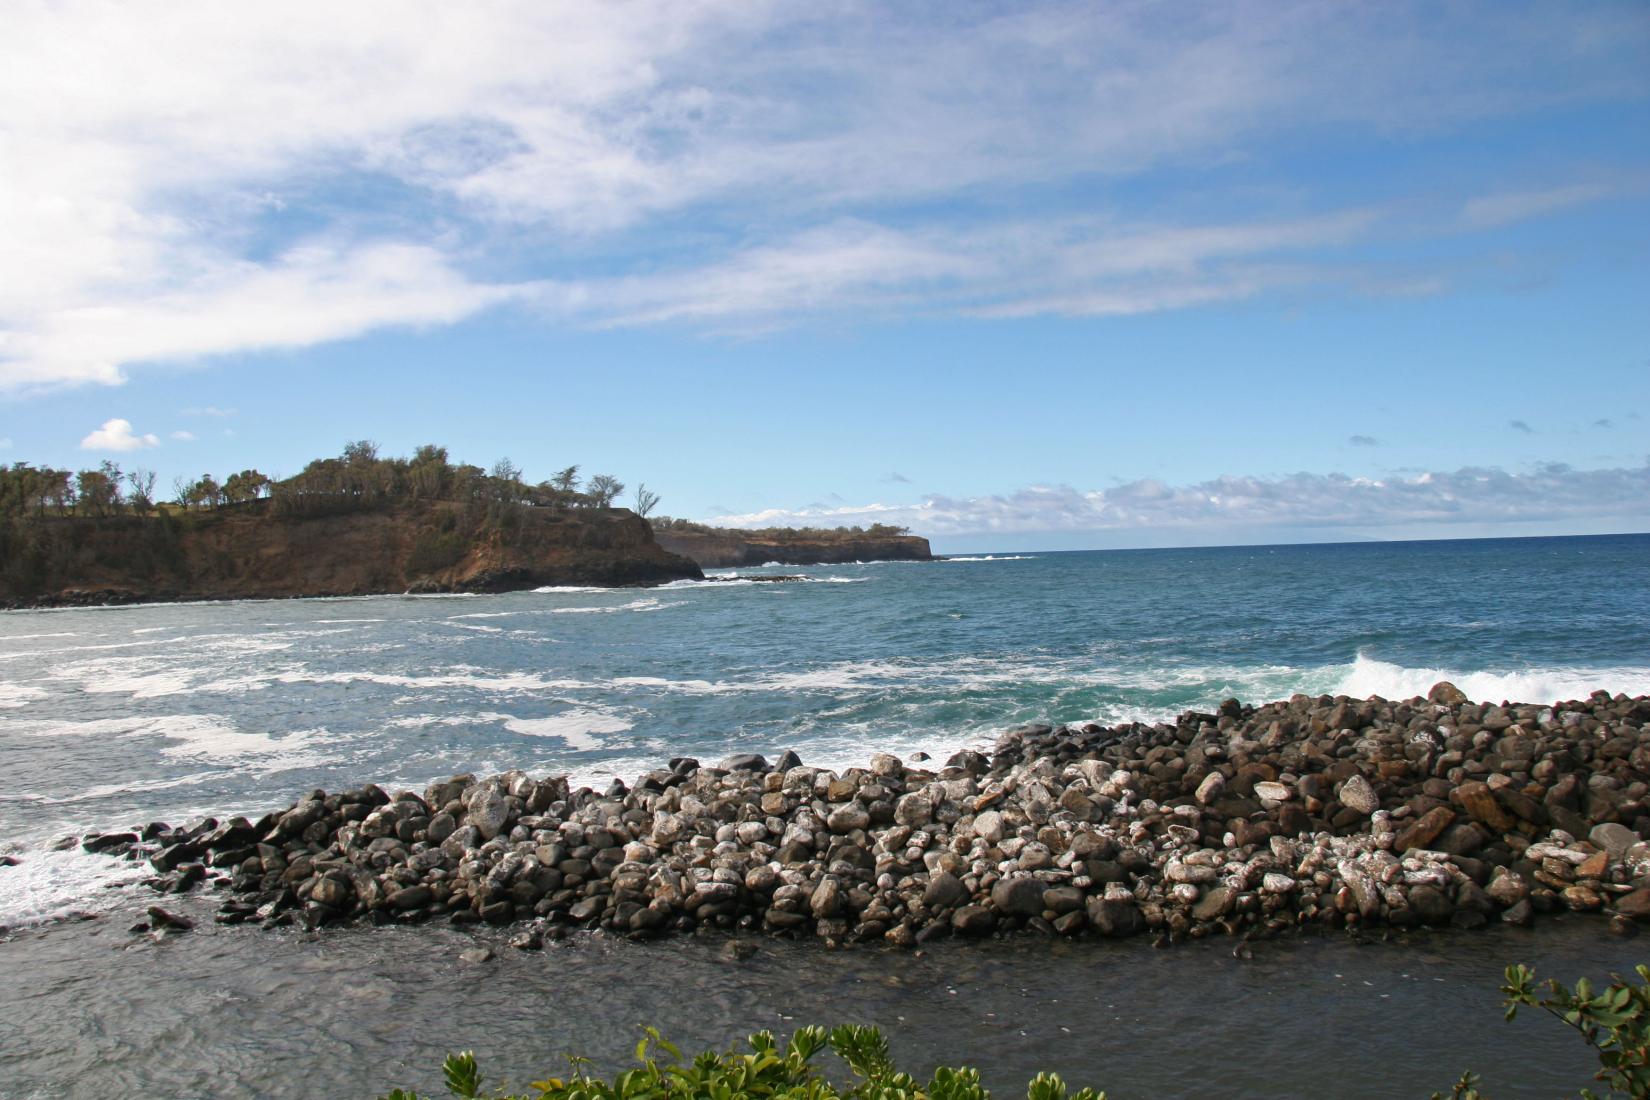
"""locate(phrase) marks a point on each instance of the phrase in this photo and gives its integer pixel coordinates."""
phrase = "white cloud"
(307, 296)
(183, 435)
(1467, 496)
(207, 410)
(162, 153)
(116, 435)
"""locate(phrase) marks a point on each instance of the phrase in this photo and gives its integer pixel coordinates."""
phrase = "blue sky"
(1020, 276)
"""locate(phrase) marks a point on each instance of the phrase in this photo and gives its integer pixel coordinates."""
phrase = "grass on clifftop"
(1614, 1021)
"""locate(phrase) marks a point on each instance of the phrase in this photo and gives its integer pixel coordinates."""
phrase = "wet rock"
(1359, 795)
(1431, 904)
(845, 819)
(1116, 916)
(1613, 838)
(1424, 830)
(1272, 792)
(1634, 904)
(988, 826)
(1018, 896)
(109, 842)
(1215, 903)
(945, 891)
(476, 955)
(973, 920)
(333, 891)
(489, 813)
(166, 920)
(1447, 694)
(411, 897)
(826, 900)
(1480, 804)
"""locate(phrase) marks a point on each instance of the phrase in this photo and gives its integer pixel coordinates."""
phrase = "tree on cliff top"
(646, 501)
(603, 490)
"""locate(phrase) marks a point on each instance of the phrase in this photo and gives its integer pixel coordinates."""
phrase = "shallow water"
(93, 1011)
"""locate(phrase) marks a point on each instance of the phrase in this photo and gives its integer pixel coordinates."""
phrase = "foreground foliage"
(1614, 1021)
(768, 1071)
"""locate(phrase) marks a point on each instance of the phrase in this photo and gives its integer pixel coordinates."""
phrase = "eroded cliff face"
(249, 553)
(726, 548)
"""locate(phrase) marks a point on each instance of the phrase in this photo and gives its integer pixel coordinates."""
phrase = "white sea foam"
(19, 695)
(579, 727)
(27, 637)
(682, 687)
(47, 885)
(108, 790)
(1368, 676)
(461, 676)
(210, 738)
(202, 738)
(994, 557)
(555, 589)
(647, 604)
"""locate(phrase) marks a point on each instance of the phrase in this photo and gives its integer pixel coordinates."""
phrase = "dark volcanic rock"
(1326, 813)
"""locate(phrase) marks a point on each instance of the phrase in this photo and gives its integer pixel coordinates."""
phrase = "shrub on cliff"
(768, 1071)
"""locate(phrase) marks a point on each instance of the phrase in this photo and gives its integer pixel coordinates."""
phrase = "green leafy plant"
(1614, 1021)
(768, 1071)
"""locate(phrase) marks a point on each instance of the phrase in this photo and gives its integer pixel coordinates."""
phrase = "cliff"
(719, 548)
(250, 551)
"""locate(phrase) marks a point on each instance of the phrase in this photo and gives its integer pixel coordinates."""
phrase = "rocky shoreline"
(1316, 812)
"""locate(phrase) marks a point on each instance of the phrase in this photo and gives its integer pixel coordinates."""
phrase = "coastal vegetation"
(1614, 1021)
(768, 1072)
(101, 535)
(358, 479)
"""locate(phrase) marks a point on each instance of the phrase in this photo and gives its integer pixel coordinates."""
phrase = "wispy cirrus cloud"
(1504, 208)
(707, 163)
(1470, 495)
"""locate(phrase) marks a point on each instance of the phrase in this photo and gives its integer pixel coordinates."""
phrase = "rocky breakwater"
(1316, 812)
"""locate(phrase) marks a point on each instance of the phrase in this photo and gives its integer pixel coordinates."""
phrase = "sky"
(1019, 276)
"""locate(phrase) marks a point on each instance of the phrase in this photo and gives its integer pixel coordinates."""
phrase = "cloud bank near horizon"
(185, 183)
(1471, 496)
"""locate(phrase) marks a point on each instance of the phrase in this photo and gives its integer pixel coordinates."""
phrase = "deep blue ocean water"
(109, 717)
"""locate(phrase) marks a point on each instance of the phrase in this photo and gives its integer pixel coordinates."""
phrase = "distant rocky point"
(723, 547)
(252, 551)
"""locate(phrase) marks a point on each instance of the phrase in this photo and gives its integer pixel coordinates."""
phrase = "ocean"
(112, 717)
